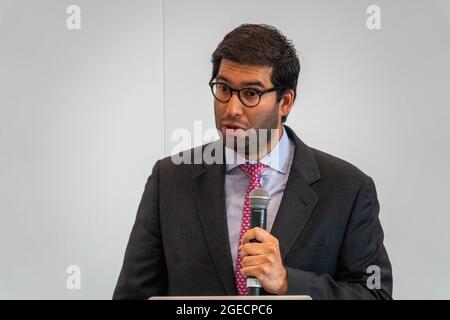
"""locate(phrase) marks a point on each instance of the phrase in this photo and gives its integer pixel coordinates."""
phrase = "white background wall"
(84, 114)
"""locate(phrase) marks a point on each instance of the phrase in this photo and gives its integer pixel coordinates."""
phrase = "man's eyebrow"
(246, 83)
(253, 83)
(222, 78)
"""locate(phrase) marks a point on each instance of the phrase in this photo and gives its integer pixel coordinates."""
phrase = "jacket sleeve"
(144, 271)
(362, 255)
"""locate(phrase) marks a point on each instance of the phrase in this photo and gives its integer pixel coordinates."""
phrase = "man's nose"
(235, 106)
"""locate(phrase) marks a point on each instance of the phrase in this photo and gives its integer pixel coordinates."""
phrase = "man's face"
(234, 115)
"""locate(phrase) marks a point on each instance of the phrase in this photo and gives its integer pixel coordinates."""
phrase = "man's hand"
(263, 260)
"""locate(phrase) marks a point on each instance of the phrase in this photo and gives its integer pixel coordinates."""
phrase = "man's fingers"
(256, 271)
(259, 234)
(253, 261)
(252, 249)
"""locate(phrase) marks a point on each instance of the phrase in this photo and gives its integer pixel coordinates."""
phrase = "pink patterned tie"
(253, 171)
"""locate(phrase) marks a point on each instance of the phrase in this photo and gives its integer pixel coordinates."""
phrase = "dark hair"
(261, 45)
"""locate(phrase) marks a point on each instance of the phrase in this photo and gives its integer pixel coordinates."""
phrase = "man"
(192, 235)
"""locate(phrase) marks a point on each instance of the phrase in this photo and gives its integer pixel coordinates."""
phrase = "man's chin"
(249, 142)
(230, 141)
(241, 141)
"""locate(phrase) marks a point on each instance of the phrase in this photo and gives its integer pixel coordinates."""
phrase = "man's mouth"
(233, 129)
(232, 126)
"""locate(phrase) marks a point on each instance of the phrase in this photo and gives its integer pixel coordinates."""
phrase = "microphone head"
(259, 199)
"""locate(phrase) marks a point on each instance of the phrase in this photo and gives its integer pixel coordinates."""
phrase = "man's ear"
(286, 103)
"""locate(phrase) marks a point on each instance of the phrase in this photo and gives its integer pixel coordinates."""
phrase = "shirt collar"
(277, 159)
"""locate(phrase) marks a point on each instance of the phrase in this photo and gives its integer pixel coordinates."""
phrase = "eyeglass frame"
(259, 92)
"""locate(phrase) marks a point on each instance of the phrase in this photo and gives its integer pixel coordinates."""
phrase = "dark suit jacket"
(327, 226)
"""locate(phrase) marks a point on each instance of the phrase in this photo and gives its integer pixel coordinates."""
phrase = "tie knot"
(253, 171)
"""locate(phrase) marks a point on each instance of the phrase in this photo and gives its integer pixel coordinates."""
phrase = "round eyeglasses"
(248, 96)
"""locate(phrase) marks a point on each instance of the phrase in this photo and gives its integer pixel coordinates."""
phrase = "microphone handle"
(255, 291)
(258, 219)
(259, 216)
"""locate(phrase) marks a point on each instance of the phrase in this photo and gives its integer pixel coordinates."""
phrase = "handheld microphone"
(259, 201)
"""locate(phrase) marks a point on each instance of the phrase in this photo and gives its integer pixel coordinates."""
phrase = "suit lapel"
(298, 199)
(209, 195)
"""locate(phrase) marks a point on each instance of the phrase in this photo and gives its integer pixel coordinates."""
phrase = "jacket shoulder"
(336, 169)
(187, 161)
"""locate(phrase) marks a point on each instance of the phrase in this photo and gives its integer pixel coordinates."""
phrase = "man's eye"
(251, 93)
(223, 88)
